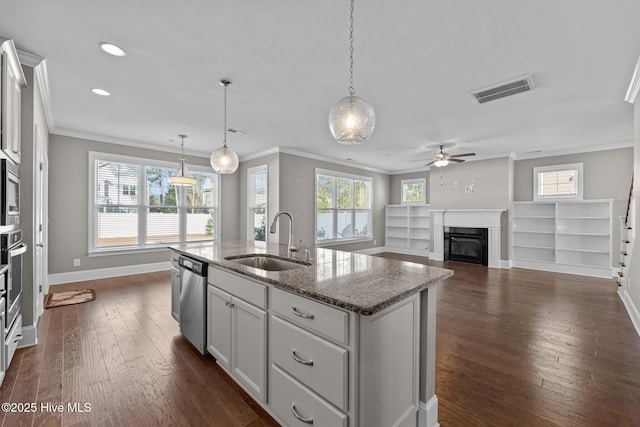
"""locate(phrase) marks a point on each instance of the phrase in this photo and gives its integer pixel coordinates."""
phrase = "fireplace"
(466, 245)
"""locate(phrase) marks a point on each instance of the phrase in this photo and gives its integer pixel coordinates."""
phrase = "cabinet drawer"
(248, 290)
(296, 406)
(320, 318)
(315, 362)
(13, 339)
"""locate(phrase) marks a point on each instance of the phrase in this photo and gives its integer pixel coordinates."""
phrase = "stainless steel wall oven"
(9, 193)
(13, 250)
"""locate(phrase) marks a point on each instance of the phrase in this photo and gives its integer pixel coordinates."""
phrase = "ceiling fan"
(442, 159)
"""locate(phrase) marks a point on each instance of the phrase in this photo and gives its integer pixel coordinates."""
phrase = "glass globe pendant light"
(352, 118)
(224, 159)
(182, 178)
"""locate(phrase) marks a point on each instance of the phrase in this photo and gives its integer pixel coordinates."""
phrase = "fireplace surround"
(490, 219)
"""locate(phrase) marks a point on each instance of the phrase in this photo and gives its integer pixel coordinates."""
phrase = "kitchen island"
(341, 339)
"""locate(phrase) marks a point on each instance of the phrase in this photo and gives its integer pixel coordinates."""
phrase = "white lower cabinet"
(237, 337)
(325, 366)
(296, 405)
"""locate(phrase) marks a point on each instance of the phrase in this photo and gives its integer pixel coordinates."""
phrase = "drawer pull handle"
(297, 358)
(295, 413)
(303, 315)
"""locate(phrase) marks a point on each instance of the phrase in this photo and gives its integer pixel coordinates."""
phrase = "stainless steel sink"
(268, 262)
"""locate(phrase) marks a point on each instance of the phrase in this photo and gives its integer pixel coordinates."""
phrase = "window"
(343, 207)
(128, 190)
(257, 196)
(414, 191)
(147, 212)
(560, 182)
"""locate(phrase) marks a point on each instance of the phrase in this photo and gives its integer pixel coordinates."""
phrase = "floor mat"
(69, 297)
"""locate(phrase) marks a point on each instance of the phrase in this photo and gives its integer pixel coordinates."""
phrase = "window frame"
(343, 240)
(142, 203)
(537, 171)
(422, 181)
(251, 172)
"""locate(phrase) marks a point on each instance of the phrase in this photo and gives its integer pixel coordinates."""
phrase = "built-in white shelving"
(408, 229)
(569, 237)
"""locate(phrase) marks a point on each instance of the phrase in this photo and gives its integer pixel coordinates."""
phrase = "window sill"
(335, 242)
(137, 249)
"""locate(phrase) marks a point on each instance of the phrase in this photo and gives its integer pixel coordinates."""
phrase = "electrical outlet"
(374, 242)
(76, 262)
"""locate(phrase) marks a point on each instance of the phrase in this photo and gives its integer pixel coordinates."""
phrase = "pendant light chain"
(352, 91)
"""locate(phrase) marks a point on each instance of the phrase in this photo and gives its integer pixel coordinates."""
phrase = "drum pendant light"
(224, 160)
(182, 178)
(352, 118)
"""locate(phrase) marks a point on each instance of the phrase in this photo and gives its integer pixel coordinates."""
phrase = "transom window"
(414, 191)
(559, 182)
(147, 212)
(343, 207)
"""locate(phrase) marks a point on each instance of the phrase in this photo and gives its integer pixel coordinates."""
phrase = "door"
(40, 222)
(219, 325)
(249, 334)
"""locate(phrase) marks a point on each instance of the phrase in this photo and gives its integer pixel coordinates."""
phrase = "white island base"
(324, 366)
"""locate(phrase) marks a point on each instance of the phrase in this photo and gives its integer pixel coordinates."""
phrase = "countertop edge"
(365, 311)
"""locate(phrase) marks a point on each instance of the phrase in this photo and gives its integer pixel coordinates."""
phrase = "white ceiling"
(415, 61)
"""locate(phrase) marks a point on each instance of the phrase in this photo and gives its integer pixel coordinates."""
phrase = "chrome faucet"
(293, 249)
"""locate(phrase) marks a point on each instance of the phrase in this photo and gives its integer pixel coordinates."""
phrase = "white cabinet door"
(249, 335)
(219, 325)
(175, 293)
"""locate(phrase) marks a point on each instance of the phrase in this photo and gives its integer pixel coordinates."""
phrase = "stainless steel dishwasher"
(193, 301)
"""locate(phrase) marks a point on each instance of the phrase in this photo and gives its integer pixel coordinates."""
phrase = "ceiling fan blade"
(453, 159)
(430, 163)
(463, 155)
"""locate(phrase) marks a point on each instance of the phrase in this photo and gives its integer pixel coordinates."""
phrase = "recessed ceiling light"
(100, 92)
(112, 49)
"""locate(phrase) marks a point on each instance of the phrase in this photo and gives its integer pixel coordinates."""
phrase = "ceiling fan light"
(441, 163)
(224, 160)
(351, 120)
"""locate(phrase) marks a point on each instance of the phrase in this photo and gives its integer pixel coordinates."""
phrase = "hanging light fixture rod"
(224, 160)
(352, 118)
(182, 178)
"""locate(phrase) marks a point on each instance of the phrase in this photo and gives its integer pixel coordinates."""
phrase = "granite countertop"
(356, 282)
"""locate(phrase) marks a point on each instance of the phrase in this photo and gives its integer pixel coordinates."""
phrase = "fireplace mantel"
(476, 218)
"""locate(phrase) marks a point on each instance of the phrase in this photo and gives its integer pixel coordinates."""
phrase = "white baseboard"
(428, 413)
(436, 256)
(634, 314)
(29, 336)
(506, 264)
(103, 273)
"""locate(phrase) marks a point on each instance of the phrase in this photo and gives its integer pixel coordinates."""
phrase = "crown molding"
(634, 85)
(577, 150)
(125, 142)
(300, 153)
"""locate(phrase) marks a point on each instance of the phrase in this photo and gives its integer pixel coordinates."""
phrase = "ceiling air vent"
(502, 90)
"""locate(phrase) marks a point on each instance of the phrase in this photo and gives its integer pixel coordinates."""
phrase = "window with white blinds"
(558, 182)
(132, 205)
(343, 207)
(257, 197)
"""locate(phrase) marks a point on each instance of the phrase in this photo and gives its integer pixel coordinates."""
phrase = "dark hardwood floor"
(514, 348)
